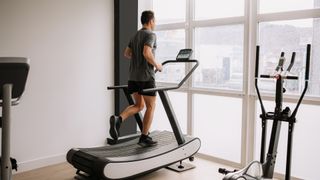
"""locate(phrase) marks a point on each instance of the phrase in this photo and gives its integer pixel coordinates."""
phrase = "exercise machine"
(264, 169)
(125, 158)
(13, 77)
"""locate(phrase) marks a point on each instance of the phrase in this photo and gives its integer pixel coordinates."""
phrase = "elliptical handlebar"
(256, 73)
(280, 63)
(279, 68)
(308, 62)
(307, 71)
(291, 62)
(306, 77)
(275, 76)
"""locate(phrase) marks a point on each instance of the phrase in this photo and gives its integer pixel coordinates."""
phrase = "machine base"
(180, 166)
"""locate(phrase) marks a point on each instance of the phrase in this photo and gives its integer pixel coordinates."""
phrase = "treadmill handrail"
(167, 87)
(117, 87)
(181, 82)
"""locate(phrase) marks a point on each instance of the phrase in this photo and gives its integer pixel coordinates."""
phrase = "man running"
(141, 52)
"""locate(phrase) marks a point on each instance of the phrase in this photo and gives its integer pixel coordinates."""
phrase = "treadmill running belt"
(105, 162)
(131, 147)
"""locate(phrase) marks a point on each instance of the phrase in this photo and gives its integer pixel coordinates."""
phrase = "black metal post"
(263, 138)
(269, 165)
(263, 112)
(289, 150)
(171, 116)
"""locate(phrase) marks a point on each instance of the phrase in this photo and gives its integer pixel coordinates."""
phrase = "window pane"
(179, 104)
(220, 52)
(215, 124)
(290, 36)
(305, 150)
(169, 11)
(169, 44)
(209, 9)
(270, 6)
(171, 73)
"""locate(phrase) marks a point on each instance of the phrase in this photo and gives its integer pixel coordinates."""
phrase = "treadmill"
(13, 77)
(127, 159)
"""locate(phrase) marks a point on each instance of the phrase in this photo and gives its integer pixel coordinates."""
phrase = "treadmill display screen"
(184, 54)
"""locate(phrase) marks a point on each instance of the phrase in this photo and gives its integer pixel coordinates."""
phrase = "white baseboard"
(39, 163)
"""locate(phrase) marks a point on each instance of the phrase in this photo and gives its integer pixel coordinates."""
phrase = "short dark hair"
(146, 17)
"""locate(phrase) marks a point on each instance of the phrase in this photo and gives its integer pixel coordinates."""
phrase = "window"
(220, 52)
(271, 6)
(290, 36)
(179, 104)
(169, 43)
(164, 10)
(219, 96)
(305, 137)
(215, 124)
(209, 9)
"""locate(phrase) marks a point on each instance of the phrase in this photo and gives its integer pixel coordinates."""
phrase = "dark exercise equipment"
(124, 158)
(13, 77)
(264, 169)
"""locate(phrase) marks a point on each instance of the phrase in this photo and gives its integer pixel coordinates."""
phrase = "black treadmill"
(126, 159)
(13, 77)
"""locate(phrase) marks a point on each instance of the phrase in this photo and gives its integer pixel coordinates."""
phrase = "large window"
(220, 51)
(179, 103)
(305, 138)
(270, 6)
(290, 30)
(209, 9)
(218, 103)
(165, 9)
(213, 124)
(219, 47)
(290, 36)
(169, 43)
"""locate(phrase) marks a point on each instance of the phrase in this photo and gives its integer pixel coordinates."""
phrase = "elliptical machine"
(265, 168)
(13, 76)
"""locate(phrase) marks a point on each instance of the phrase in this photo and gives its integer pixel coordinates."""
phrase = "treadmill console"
(184, 54)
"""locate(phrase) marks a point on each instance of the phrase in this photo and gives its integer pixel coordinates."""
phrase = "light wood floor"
(205, 170)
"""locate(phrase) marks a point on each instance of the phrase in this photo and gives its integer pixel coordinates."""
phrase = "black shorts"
(138, 86)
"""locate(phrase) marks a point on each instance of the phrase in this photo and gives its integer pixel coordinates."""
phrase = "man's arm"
(128, 53)
(147, 53)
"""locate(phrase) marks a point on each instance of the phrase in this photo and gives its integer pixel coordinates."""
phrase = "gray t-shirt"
(140, 69)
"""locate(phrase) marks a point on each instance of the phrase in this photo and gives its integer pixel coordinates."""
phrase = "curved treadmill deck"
(129, 159)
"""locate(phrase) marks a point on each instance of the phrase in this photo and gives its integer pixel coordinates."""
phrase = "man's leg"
(115, 121)
(148, 116)
(133, 109)
(145, 140)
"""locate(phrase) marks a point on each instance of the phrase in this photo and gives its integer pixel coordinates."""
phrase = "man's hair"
(146, 17)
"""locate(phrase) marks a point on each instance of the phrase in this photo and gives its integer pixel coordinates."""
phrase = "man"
(141, 53)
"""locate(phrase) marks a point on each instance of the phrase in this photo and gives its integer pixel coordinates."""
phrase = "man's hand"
(158, 67)
(128, 53)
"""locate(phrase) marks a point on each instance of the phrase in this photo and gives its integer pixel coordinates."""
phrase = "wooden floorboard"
(205, 170)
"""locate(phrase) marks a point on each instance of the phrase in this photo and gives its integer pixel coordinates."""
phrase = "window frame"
(250, 21)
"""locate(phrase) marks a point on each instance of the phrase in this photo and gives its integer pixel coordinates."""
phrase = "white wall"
(66, 103)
